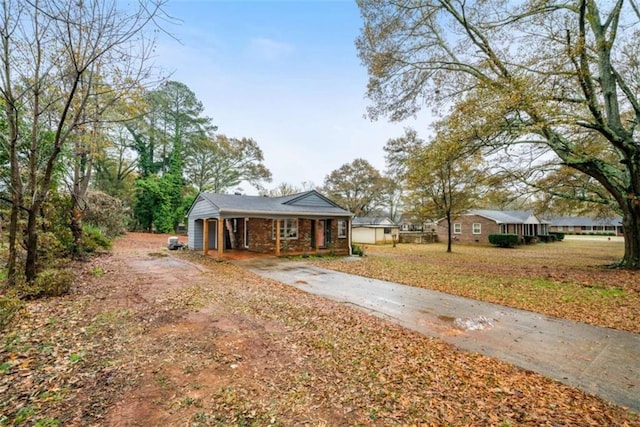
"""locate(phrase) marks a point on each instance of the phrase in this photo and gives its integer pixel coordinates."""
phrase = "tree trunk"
(631, 224)
(448, 233)
(76, 231)
(31, 240)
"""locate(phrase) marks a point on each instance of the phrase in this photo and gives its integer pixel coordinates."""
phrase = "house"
(374, 230)
(587, 225)
(476, 225)
(306, 222)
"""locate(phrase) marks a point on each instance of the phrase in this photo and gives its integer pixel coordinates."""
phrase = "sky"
(285, 73)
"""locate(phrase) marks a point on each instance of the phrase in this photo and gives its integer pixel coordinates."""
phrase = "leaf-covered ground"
(149, 337)
(566, 279)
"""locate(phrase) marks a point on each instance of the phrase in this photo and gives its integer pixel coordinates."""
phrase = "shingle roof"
(508, 217)
(585, 221)
(372, 221)
(306, 203)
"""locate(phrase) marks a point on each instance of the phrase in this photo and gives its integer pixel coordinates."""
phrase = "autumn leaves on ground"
(152, 337)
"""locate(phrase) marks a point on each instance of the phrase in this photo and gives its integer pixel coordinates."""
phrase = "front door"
(320, 233)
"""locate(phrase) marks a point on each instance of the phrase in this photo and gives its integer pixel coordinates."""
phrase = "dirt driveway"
(151, 337)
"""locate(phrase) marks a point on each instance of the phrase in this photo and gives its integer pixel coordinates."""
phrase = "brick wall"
(261, 232)
(487, 227)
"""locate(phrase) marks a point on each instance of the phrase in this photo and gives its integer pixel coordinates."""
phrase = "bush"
(503, 240)
(93, 239)
(558, 235)
(106, 213)
(357, 250)
(9, 306)
(51, 282)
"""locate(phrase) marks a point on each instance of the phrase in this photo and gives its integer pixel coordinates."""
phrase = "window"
(570, 228)
(457, 228)
(288, 229)
(560, 228)
(387, 230)
(477, 228)
(342, 228)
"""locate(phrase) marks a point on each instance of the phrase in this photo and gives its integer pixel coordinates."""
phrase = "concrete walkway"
(600, 361)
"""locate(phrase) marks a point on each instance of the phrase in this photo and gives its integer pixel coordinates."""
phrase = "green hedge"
(503, 240)
(559, 235)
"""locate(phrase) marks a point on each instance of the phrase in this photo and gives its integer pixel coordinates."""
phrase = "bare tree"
(57, 58)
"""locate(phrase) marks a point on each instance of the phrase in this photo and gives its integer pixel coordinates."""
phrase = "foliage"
(9, 307)
(503, 240)
(219, 163)
(444, 178)
(558, 235)
(519, 90)
(106, 213)
(93, 239)
(355, 186)
(51, 282)
(63, 58)
(357, 249)
(151, 208)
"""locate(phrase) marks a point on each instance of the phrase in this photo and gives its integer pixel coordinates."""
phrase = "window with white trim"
(457, 228)
(477, 228)
(288, 229)
(342, 228)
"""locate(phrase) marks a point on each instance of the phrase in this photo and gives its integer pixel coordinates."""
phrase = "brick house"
(587, 225)
(475, 225)
(300, 223)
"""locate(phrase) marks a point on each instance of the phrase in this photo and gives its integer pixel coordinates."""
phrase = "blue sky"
(284, 73)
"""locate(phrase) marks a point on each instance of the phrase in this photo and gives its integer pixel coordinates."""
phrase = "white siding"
(363, 235)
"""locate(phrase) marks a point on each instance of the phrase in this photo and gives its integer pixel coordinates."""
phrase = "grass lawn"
(566, 279)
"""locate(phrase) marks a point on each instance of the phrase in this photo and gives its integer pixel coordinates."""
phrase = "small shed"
(300, 223)
(374, 230)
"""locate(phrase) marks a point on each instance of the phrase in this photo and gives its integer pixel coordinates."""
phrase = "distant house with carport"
(374, 230)
(301, 223)
(475, 226)
(587, 225)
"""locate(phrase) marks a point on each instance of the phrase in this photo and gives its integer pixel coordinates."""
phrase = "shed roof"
(372, 221)
(306, 204)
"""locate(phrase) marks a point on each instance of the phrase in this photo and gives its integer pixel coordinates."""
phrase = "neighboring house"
(587, 225)
(306, 222)
(475, 225)
(374, 230)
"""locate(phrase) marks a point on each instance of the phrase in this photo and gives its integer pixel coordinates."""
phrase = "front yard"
(564, 279)
(149, 337)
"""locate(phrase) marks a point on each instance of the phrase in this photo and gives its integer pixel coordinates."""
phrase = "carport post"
(205, 237)
(277, 237)
(220, 236)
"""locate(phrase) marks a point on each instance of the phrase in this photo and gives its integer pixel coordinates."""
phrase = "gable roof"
(372, 221)
(508, 217)
(306, 204)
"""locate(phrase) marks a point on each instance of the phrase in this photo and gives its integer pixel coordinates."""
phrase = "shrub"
(558, 235)
(503, 240)
(105, 212)
(93, 239)
(51, 282)
(9, 306)
(357, 250)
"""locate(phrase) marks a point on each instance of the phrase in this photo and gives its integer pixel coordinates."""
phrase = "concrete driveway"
(600, 361)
